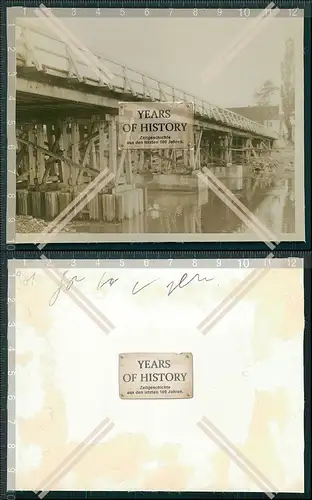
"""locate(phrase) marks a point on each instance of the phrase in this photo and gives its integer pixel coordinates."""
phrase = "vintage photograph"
(102, 154)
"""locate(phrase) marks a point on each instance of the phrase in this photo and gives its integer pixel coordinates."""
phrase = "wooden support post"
(40, 163)
(120, 167)
(112, 136)
(31, 158)
(141, 160)
(230, 142)
(159, 160)
(82, 132)
(246, 150)
(22, 160)
(211, 148)
(128, 167)
(75, 151)
(221, 147)
(81, 178)
(102, 156)
(204, 152)
(174, 159)
(249, 150)
(50, 145)
(195, 154)
(227, 149)
(150, 160)
(192, 159)
(166, 162)
(65, 147)
(58, 134)
(93, 156)
(185, 158)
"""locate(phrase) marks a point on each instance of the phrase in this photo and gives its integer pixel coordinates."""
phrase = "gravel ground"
(28, 224)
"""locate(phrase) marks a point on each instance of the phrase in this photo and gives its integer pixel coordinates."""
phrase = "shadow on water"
(204, 212)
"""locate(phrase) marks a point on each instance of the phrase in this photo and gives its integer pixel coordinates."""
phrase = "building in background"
(269, 116)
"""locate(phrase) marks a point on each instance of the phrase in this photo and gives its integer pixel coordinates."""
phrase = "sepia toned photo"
(122, 128)
(192, 388)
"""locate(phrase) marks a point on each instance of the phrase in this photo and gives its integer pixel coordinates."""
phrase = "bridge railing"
(40, 49)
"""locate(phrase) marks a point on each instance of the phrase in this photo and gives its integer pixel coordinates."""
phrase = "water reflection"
(204, 212)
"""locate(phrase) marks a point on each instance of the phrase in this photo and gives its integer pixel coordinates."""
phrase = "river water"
(272, 202)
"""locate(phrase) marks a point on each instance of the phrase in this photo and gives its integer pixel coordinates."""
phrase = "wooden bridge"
(67, 126)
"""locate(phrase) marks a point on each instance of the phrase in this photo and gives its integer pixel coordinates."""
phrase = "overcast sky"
(180, 51)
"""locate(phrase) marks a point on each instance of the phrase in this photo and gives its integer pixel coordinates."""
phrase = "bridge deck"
(41, 55)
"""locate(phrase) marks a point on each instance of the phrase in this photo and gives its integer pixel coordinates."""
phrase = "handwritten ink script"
(68, 280)
(67, 283)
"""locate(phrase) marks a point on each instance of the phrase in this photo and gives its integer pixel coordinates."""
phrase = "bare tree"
(263, 96)
(288, 87)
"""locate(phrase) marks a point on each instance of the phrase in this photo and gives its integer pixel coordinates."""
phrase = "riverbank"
(29, 224)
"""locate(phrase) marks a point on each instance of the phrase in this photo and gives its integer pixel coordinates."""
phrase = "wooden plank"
(75, 153)
(63, 94)
(94, 135)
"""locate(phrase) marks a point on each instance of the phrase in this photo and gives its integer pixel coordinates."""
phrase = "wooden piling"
(108, 207)
(51, 201)
(141, 200)
(120, 207)
(22, 202)
(145, 199)
(64, 199)
(95, 208)
(37, 204)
